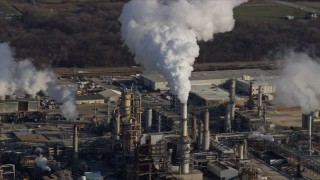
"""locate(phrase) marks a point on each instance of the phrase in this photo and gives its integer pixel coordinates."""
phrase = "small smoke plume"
(298, 84)
(259, 135)
(42, 163)
(23, 77)
(163, 34)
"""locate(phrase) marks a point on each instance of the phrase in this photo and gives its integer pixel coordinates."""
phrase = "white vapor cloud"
(23, 77)
(163, 34)
(298, 84)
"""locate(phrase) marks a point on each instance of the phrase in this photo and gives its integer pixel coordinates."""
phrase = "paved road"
(299, 6)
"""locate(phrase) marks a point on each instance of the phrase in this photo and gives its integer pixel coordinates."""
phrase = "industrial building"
(157, 81)
(91, 99)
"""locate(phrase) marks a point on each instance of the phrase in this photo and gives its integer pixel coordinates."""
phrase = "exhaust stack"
(260, 102)
(75, 143)
(184, 141)
(206, 132)
(232, 98)
(310, 133)
(149, 121)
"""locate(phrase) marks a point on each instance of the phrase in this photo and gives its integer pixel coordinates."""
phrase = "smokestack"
(310, 133)
(228, 119)
(194, 128)
(75, 143)
(184, 116)
(232, 98)
(200, 135)
(108, 112)
(185, 144)
(260, 101)
(159, 122)
(149, 121)
(206, 132)
(245, 149)
(240, 151)
(250, 101)
(117, 129)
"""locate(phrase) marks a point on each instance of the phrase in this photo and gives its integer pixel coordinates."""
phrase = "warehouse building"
(221, 170)
(91, 99)
(211, 96)
(249, 84)
(111, 95)
(157, 82)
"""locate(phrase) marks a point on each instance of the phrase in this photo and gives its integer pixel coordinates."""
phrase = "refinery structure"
(172, 125)
(224, 131)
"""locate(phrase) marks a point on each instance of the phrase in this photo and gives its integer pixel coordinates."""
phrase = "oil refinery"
(230, 128)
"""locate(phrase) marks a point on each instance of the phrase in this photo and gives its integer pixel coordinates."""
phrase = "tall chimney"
(228, 119)
(159, 122)
(184, 141)
(232, 98)
(310, 133)
(200, 135)
(75, 143)
(240, 151)
(245, 149)
(194, 128)
(108, 112)
(117, 124)
(149, 121)
(260, 101)
(206, 132)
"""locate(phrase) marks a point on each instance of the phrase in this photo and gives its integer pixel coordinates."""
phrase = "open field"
(7, 8)
(266, 12)
(310, 4)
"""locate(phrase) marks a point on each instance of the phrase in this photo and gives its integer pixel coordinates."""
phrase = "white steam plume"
(163, 34)
(23, 77)
(42, 162)
(298, 84)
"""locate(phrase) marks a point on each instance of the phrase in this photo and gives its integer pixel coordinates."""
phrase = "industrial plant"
(230, 128)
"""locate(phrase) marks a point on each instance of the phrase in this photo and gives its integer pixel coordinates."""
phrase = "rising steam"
(163, 34)
(23, 77)
(298, 84)
(42, 162)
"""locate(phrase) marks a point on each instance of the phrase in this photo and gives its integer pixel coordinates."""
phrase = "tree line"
(90, 37)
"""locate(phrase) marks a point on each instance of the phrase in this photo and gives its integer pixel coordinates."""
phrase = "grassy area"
(7, 8)
(315, 5)
(267, 12)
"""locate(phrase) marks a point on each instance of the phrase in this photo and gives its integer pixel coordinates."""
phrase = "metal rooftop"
(208, 75)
